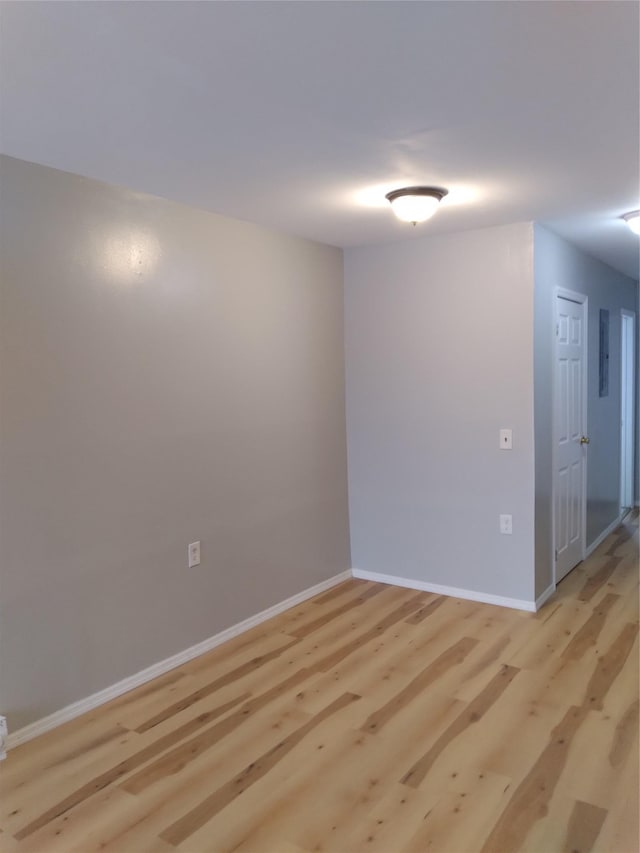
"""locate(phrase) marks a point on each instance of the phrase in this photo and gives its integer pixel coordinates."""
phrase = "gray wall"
(559, 264)
(439, 349)
(166, 375)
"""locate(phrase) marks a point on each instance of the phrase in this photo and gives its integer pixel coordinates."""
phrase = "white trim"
(452, 591)
(580, 299)
(3, 738)
(599, 539)
(545, 596)
(90, 702)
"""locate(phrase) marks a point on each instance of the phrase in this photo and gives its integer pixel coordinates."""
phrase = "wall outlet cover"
(506, 524)
(194, 554)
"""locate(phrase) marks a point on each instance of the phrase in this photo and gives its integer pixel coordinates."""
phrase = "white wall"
(559, 264)
(439, 355)
(166, 375)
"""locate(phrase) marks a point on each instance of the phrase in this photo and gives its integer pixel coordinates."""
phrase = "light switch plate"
(506, 439)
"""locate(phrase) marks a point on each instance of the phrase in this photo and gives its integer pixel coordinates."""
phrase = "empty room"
(319, 421)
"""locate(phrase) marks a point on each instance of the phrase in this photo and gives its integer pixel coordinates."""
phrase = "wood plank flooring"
(370, 718)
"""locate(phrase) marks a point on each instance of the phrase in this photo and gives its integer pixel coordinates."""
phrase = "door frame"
(625, 312)
(581, 299)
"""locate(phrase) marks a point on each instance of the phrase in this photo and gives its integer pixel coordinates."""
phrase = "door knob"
(584, 440)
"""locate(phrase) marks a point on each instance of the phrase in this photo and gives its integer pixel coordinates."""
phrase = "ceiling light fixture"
(415, 204)
(633, 221)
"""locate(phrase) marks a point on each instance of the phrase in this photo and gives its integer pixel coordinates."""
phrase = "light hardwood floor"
(370, 718)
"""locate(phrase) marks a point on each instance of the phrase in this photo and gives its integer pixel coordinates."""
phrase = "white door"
(627, 420)
(570, 439)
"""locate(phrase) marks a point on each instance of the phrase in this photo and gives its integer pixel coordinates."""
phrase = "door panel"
(627, 412)
(569, 417)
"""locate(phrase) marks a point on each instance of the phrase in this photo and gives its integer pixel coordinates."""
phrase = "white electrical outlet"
(194, 554)
(4, 734)
(506, 524)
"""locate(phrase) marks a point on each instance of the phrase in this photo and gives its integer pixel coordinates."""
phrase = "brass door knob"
(584, 440)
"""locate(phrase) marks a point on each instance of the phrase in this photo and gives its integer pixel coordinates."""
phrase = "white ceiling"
(301, 115)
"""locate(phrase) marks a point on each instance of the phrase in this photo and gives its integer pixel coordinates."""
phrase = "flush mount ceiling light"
(633, 221)
(415, 204)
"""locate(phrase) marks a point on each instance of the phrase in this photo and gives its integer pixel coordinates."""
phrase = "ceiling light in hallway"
(633, 221)
(415, 204)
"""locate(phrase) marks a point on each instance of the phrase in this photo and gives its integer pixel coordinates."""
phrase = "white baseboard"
(452, 591)
(598, 540)
(74, 710)
(545, 596)
(96, 699)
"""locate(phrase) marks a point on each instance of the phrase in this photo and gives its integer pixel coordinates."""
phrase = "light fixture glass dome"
(633, 221)
(415, 204)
